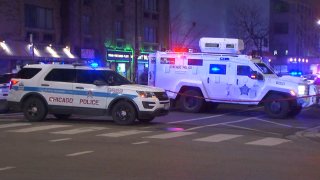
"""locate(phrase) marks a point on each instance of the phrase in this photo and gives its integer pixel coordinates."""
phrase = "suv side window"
(244, 70)
(61, 75)
(28, 73)
(88, 76)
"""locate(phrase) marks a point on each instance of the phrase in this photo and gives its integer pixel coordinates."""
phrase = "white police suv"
(63, 90)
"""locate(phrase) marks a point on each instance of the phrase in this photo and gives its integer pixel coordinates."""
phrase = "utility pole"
(32, 46)
(136, 46)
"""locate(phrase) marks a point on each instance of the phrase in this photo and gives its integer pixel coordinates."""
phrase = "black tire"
(62, 116)
(294, 111)
(124, 113)
(189, 103)
(276, 107)
(146, 120)
(34, 109)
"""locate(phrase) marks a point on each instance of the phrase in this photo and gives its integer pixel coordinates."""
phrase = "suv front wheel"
(34, 109)
(123, 113)
(276, 106)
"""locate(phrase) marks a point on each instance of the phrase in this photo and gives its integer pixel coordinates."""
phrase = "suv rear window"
(28, 73)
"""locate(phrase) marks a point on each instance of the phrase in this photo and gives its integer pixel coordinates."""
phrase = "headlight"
(146, 94)
(301, 89)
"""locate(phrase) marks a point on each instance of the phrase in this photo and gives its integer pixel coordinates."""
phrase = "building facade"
(285, 29)
(294, 35)
(112, 33)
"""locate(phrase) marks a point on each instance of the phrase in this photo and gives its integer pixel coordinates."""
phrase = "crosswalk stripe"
(269, 141)
(13, 125)
(79, 153)
(170, 135)
(39, 128)
(123, 133)
(6, 168)
(218, 138)
(79, 130)
(59, 140)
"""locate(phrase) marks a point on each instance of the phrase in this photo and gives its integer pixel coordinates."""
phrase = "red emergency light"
(180, 49)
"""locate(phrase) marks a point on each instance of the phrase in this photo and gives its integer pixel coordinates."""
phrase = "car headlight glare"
(146, 94)
(301, 89)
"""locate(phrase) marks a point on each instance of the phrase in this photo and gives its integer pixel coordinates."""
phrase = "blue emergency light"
(94, 65)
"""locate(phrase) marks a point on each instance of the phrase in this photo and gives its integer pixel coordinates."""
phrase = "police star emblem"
(90, 94)
(244, 90)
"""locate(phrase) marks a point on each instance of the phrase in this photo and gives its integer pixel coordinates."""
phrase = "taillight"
(12, 83)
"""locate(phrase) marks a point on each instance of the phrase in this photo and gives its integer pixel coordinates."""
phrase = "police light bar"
(221, 45)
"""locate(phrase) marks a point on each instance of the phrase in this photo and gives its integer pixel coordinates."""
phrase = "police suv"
(63, 90)
(220, 75)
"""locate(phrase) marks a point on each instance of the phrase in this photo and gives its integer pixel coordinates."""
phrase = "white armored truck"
(219, 74)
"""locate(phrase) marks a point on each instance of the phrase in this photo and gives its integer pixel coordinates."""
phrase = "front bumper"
(150, 114)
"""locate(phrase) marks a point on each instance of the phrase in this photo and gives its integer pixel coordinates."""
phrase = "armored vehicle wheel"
(123, 113)
(191, 101)
(276, 107)
(34, 109)
(146, 120)
(62, 116)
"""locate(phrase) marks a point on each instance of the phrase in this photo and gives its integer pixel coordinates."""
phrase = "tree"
(183, 32)
(250, 25)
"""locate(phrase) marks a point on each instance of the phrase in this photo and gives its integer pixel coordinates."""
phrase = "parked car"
(4, 90)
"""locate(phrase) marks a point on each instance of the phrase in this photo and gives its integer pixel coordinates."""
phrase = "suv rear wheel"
(34, 109)
(276, 106)
(124, 113)
(191, 101)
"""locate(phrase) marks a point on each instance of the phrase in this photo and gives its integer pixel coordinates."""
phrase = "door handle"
(44, 84)
(79, 87)
(208, 80)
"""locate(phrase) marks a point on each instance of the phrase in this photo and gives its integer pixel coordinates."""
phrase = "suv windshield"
(264, 68)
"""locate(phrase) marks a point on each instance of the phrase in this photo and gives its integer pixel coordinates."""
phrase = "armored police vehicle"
(63, 90)
(219, 74)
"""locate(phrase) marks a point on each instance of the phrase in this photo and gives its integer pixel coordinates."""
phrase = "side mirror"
(256, 75)
(99, 83)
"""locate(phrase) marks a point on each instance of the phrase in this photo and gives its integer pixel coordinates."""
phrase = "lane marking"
(123, 133)
(79, 130)
(170, 135)
(208, 117)
(79, 153)
(39, 128)
(13, 125)
(269, 141)
(271, 122)
(59, 140)
(257, 130)
(142, 142)
(311, 132)
(223, 123)
(218, 138)
(7, 168)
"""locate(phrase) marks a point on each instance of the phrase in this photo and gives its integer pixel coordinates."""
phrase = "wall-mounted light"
(35, 50)
(5, 47)
(66, 50)
(52, 51)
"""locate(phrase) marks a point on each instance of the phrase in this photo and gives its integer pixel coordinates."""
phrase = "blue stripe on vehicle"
(72, 92)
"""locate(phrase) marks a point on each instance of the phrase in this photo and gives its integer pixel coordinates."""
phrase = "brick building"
(109, 32)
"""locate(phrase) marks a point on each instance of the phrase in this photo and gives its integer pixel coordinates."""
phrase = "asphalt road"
(234, 142)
